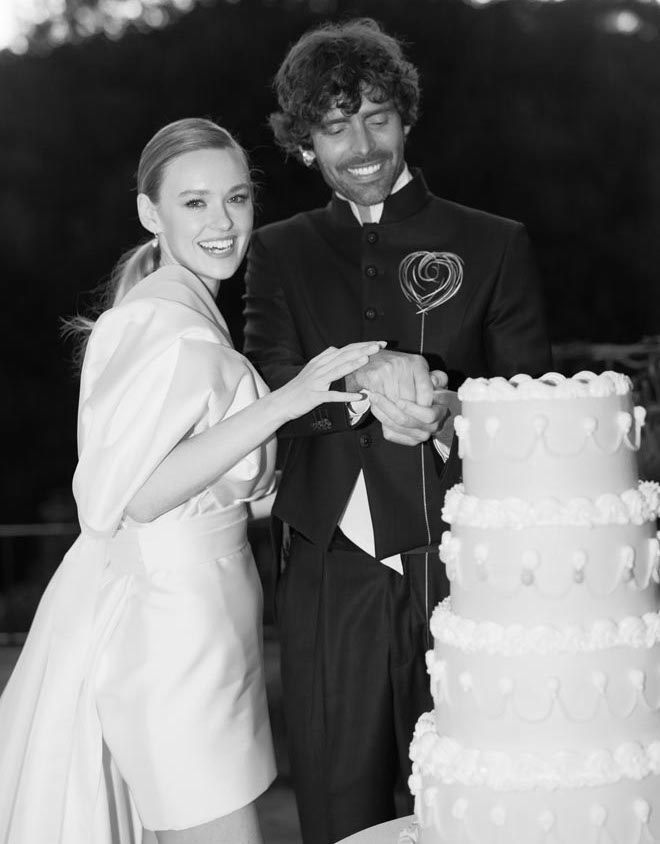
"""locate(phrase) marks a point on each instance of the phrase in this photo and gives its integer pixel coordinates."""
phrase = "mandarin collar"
(397, 206)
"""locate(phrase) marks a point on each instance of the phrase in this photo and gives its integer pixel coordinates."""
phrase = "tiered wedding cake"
(546, 667)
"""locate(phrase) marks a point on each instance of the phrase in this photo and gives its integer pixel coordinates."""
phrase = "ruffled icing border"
(633, 506)
(447, 760)
(550, 386)
(516, 640)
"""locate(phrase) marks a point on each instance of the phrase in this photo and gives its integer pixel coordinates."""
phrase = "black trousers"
(353, 636)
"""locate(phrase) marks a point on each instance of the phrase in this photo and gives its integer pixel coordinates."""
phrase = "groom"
(455, 293)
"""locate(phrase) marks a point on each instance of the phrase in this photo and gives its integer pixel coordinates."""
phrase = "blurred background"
(546, 112)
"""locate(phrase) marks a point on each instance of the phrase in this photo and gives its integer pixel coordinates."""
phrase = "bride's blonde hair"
(188, 135)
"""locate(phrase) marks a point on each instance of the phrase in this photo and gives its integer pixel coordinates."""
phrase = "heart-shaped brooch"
(429, 279)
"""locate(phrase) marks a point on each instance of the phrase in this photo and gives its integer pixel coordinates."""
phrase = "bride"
(139, 700)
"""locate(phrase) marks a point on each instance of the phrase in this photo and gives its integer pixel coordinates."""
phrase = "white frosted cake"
(545, 671)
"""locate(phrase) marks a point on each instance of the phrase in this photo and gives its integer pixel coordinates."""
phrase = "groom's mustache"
(379, 158)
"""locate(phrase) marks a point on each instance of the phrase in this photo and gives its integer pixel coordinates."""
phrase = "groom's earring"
(308, 156)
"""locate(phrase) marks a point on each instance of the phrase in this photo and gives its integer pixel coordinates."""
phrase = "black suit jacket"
(321, 279)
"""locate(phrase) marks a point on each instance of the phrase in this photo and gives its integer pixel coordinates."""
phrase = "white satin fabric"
(139, 698)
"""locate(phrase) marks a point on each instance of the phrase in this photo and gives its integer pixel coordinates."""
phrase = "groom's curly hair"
(333, 66)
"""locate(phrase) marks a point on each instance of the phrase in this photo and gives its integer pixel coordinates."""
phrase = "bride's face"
(204, 213)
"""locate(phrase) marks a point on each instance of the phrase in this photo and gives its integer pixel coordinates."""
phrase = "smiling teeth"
(218, 245)
(364, 171)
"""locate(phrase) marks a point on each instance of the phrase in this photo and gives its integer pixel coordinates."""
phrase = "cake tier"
(544, 575)
(604, 800)
(632, 506)
(548, 437)
(562, 691)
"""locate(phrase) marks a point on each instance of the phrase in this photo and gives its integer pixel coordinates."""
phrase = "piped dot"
(599, 679)
(628, 555)
(465, 681)
(642, 810)
(546, 820)
(481, 552)
(640, 415)
(589, 425)
(579, 559)
(540, 423)
(492, 426)
(598, 815)
(480, 557)
(498, 815)
(624, 421)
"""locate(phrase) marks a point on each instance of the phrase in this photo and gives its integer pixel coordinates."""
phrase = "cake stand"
(384, 833)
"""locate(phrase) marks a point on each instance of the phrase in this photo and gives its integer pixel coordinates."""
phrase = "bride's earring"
(308, 156)
(155, 243)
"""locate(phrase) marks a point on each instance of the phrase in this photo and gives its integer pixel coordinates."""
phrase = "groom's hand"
(406, 422)
(395, 375)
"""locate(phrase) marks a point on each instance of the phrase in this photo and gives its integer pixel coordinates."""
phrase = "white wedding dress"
(139, 698)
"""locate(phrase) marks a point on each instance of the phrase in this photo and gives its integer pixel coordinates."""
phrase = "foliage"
(43, 24)
(538, 112)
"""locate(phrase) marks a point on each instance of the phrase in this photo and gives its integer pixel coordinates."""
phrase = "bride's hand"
(309, 388)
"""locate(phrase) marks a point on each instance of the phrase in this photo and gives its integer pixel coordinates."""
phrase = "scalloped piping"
(457, 820)
(446, 759)
(550, 386)
(595, 695)
(633, 506)
(629, 427)
(516, 640)
(637, 571)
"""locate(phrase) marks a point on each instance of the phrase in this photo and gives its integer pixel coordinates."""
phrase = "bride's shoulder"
(166, 298)
(168, 282)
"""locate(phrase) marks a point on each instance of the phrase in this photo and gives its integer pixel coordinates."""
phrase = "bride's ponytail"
(133, 266)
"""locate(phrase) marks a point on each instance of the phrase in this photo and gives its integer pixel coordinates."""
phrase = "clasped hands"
(409, 400)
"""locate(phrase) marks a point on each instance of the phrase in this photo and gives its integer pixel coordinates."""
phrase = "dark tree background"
(546, 113)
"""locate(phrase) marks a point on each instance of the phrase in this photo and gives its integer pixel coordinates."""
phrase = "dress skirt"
(158, 716)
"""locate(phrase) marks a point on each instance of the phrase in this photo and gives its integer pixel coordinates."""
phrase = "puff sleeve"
(155, 372)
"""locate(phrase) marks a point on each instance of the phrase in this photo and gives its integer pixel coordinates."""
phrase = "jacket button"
(371, 271)
(370, 313)
(372, 237)
(365, 440)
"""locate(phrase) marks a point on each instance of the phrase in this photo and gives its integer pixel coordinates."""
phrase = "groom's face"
(361, 155)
